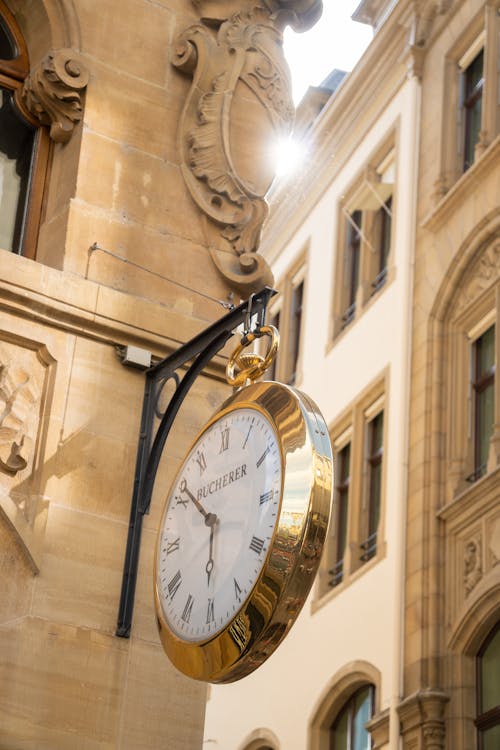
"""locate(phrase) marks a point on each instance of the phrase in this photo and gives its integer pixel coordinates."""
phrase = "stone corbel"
(53, 93)
(238, 105)
(422, 720)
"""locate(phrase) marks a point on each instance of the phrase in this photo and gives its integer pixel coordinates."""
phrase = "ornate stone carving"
(52, 93)
(239, 102)
(485, 272)
(473, 569)
(494, 542)
(18, 397)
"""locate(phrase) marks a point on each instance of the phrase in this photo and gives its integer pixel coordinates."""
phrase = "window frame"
(351, 428)
(12, 76)
(349, 706)
(372, 198)
(287, 367)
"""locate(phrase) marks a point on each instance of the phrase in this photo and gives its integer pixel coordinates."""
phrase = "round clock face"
(218, 524)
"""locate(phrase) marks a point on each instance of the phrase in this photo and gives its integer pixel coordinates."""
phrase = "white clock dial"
(218, 524)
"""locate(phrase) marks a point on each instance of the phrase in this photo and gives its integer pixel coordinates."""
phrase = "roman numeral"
(201, 461)
(256, 544)
(186, 612)
(210, 611)
(237, 590)
(225, 440)
(173, 546)
(262, 458)
(266, 497)
(174, 584)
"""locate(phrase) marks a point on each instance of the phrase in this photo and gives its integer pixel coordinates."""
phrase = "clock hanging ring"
(244, 525)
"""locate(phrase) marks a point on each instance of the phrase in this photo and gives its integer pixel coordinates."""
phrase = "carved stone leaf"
(485, 272)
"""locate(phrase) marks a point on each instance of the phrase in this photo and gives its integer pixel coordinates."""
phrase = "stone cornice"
(61, 300)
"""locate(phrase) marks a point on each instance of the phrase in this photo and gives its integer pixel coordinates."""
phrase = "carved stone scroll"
(19, 399)
(473, 569)
(52, 93)
(485, 272)
(238, 105)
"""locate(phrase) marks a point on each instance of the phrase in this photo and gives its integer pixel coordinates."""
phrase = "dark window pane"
(490, 675)
(473, 103)
(274, 321)
(340, 735)
(376, 447)
(7, 47)
(352, 260)
(295, 326)
(16, 153)
(484, 400)
(343, 472)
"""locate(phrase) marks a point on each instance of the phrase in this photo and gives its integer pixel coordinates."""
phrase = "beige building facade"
(385, 250)
(114, 232)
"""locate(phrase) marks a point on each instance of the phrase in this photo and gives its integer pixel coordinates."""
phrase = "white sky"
(334, 42)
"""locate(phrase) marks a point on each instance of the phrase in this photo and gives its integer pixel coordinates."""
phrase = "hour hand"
(210, 520)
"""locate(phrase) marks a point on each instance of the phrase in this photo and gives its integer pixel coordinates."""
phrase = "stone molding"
(52, 93)
(378, 727)
(239, 102)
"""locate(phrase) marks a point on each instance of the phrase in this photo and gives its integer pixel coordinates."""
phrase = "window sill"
(465, 184)
(342, 329)
(324, 598)
(474, 500)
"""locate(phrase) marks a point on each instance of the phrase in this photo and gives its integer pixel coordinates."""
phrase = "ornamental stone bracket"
(53, 93)
(239, 104)
(422, 720)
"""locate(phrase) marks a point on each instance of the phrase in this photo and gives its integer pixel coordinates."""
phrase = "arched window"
(488, 692)
(348, 731)
(23, 146)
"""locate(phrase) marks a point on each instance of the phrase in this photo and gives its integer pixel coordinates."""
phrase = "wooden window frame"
(480, 381)
(12, 75)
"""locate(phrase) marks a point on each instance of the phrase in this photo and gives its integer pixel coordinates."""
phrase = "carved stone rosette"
(238, 105)
(52, 93)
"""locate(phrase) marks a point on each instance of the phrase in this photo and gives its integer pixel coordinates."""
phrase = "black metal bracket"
(199, 351)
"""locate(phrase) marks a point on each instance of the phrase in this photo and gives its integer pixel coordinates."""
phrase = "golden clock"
(242, 532)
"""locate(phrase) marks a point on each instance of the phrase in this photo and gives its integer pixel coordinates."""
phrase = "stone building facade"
(114, 232)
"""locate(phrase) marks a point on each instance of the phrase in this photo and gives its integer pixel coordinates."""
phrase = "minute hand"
(184, 488)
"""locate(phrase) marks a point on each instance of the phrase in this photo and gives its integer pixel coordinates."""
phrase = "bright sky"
(334, 42)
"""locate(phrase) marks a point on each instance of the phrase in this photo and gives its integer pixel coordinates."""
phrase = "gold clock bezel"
(272, 606)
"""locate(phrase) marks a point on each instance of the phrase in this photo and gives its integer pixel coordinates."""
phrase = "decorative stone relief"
(484, 273)
(53, 93)
(239, 104)
(420, 27)
(22, 383)
(473, 570)
(494, 542)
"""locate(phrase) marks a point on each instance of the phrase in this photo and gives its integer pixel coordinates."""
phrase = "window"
(472, 84)
(286, 314)
(343, 462)
(483, 386)
(355, 535)
(470, 121)
(365, 239)
(23, 147)
(488, 692)
(348, 731)
(351, 265)
(374, 485)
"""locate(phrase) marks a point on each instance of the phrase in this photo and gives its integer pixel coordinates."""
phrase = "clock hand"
(210, 564)
(184, 488)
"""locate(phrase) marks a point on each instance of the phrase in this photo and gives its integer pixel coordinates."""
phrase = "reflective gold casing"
(285, 580)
